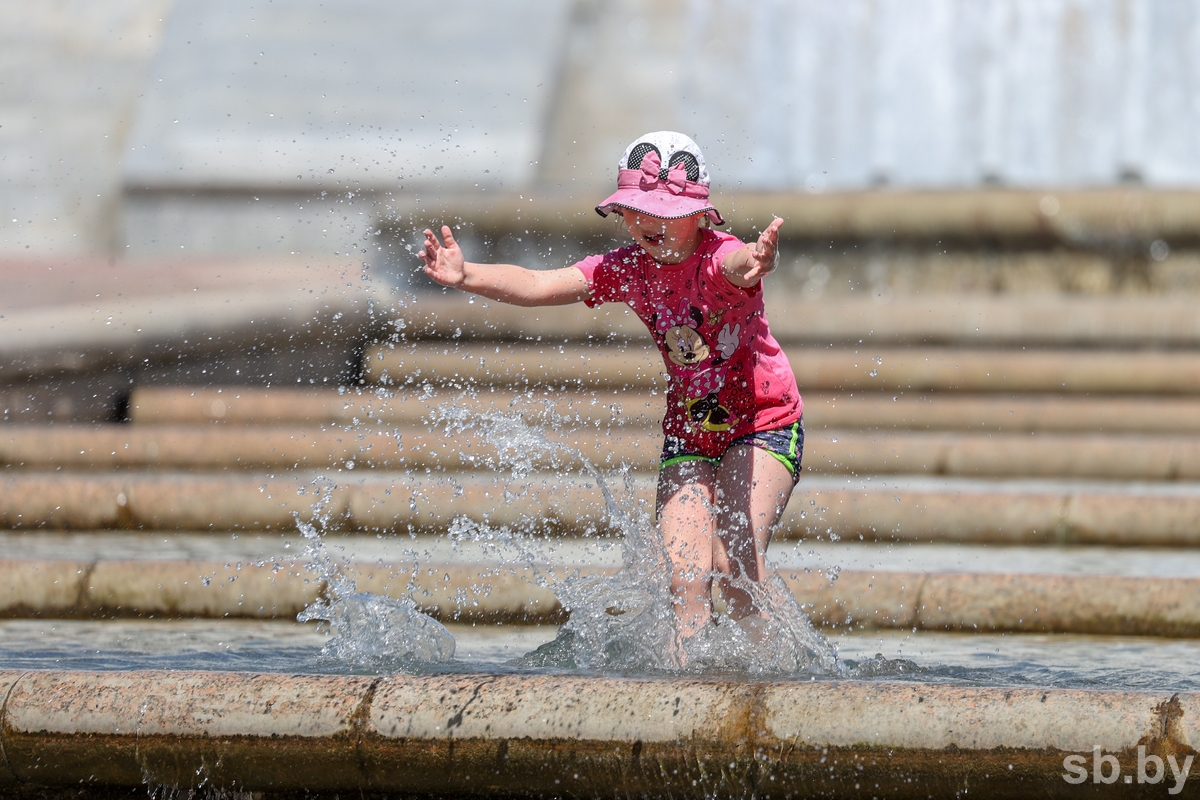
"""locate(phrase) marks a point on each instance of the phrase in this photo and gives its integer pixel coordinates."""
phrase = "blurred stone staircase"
(938, 459)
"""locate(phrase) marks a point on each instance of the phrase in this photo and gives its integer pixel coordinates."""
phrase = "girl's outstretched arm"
(444, 263)
(747, 266)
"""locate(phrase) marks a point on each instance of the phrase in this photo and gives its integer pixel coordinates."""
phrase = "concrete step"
(75, 336)
(176, 405)
(474, 548)
(1084, 219)
(520, 734)
(251, 405)
(150, 316)
(1128, 456)
(879, 509)
(803, 316)
(210, 447)
(273, 589)
(866, 368)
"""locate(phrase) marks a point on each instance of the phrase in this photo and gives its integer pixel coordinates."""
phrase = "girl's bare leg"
(752, 490)
(687, 523)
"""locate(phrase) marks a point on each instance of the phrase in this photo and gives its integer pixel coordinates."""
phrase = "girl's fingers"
(769, 239)
(448, 235)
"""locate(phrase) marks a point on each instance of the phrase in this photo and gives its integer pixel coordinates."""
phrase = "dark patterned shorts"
(786, 444)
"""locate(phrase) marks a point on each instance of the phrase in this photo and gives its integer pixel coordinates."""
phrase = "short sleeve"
(607, 277)
(725, 245)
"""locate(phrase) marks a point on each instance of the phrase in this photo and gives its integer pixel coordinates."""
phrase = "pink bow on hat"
(676, 180)
(666, 193)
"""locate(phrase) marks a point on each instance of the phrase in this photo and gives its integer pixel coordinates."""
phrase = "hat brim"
(660, 204)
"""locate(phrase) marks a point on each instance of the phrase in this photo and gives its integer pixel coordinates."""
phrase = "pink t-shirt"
(729, 376)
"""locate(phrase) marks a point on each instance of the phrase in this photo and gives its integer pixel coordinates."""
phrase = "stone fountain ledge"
(857, 599)
(901, 509)
(570, 736)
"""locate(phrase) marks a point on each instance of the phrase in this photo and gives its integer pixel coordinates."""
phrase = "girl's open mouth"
(655, 238)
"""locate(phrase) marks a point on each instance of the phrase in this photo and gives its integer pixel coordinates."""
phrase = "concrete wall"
(944, 93)
(264, 122)
(71, 76)
(155, 127)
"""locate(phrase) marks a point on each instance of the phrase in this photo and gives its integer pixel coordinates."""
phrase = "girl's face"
(668, 241)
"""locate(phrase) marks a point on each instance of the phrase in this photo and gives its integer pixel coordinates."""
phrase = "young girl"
(733, 434)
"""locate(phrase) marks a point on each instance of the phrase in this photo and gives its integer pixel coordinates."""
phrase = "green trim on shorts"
(789, 460)
(790, 463)
(686, 457)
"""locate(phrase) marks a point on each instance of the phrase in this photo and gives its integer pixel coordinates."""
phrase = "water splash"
(377, 632)
(623, 622)
(626, 621)
(370, 631)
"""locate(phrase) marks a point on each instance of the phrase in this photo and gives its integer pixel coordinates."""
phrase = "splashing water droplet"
(370, 631)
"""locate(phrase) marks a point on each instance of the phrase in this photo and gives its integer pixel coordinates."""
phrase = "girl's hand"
(749, 265)
(765, 253)
(443, 263)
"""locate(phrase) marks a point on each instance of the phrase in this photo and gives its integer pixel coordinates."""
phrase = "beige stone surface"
(366, 409)
(797, 315)
(540, 502)
(1082, 604)
(179, 728)
(298, 447)
(634, 367)
(215, 502)
(942, 718)
(880, 368)
(270, 590)
(29, 587)
(506, 732)
(964, 318)
(965, 516)
(636, 409)
(858, 599)
(464, 591)
(1032, 602)
(976, 370)
(564, 708)
(29, 501)
(390, 502)
(1143, 456)
(1096, 517)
